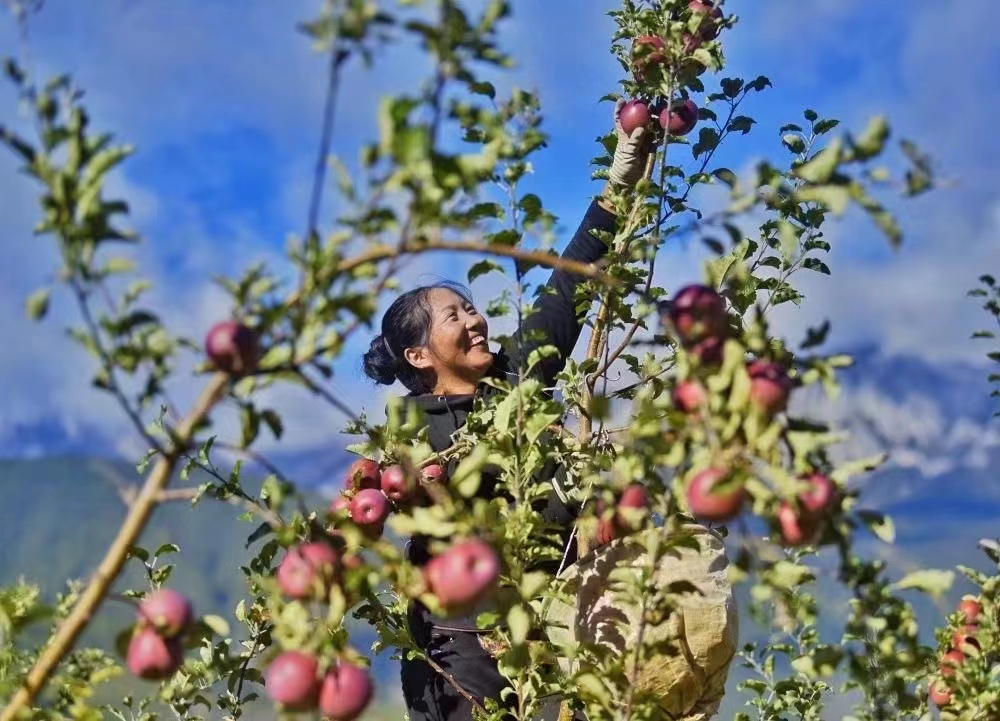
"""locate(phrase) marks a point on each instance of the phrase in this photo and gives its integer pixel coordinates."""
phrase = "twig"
(326, 137)
(135, 521)
(451, 679)
(187, 494)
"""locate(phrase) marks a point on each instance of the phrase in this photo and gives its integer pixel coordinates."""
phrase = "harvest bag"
(688, 680)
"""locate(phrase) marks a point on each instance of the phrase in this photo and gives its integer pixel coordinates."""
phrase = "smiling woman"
(434, 342)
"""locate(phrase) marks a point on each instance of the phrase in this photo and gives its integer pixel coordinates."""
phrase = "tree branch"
(135, 521)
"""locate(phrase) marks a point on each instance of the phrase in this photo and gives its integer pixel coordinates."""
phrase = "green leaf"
(167, 548)
(788, 235)
(482, 268)
(933, 581)
(218, 624)
(466, 477)
(731, 87)
(519, 623)
(825, 126)
(794, 142)
(879, 524)
(873, 139)
(832, 197)
(273, 422)
(741, 123)
(708, 140)
(820, 168)
(37, 304)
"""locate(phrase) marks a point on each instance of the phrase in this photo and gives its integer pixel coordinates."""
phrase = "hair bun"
(379, 363)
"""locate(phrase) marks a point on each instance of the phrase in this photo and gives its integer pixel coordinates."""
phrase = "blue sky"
(223, 102)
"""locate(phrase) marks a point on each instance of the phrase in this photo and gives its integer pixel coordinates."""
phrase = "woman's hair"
(406, 324)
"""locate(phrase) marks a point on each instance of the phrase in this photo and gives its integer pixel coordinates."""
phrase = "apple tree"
(678, 415)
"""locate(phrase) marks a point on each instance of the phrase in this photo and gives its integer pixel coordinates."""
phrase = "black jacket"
(555, 315)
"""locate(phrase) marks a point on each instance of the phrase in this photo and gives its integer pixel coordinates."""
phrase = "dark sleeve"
(554, 320)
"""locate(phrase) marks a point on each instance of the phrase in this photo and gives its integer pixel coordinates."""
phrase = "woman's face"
(456, 348)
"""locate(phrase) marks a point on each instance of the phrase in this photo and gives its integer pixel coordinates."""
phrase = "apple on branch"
(345, 692)
(714, 496)
(634, 114)
(362, 473)
(689, 395)
(369, 509)
(770, 386)
(463, 574)
(308, 570)
(167, 611)
(679, 117)
(697, 313)
(629, 513)
(291, 680)
(153, 657)
(647, 53)
(232, 347)
(396, 485)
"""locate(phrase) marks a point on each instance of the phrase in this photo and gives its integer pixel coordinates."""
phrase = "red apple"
(709, 352)
(680, 117)
(396, 485)
(345, 692)
(308, 570)
(463, 574)
(960, 640)
(689, 396)
(363, 473)
(433, 473)
(636, 497)
(369, 507)
(232, 347)
(696, 313)
(710, 24)
(166, 610)
(634, 114)
(647, 52)
(950, 662)
(341, 505)
(153, 657)
(607, 531)
(821, 494)
(769, 386)
(970, 608)
(709, 502)
(291, 680)
(939, 694)
(797, 528)
(610, 527)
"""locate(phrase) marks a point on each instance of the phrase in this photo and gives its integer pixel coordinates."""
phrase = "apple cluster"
(651, 63)
(697, 317)
(461, 575)
(155, 650)
(341, 692)
(308, 572)
(964, 643)
(371, 491)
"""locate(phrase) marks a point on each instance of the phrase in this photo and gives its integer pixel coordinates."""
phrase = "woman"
(434, 342)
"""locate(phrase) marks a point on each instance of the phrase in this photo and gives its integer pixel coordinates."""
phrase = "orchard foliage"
(683, 395)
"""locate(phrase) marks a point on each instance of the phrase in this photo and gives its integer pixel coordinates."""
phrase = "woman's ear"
(418, 357)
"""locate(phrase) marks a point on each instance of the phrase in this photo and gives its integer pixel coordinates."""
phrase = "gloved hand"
(629, 164)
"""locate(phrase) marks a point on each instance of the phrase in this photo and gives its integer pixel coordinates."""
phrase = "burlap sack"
(690, 683)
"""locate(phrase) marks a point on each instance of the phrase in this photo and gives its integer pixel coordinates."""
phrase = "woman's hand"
(631, 154)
